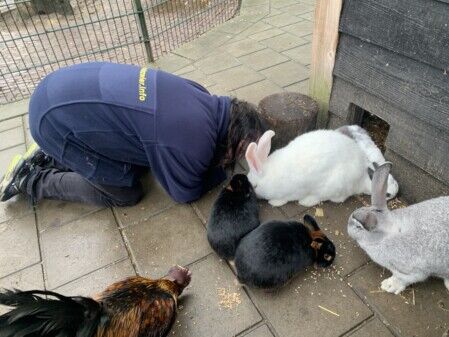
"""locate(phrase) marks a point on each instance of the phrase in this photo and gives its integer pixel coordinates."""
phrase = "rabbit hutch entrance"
(391, 59)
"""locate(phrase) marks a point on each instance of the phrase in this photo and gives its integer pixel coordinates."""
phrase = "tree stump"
(289, 114)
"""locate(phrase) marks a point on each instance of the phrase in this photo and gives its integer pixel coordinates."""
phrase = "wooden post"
(324, 47)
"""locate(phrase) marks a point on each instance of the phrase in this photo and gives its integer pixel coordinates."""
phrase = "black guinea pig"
(234, 214)
(274, 252)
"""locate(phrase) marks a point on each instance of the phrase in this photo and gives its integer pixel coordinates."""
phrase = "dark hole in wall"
(376, 127)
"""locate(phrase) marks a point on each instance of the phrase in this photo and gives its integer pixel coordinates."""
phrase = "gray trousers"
(56, 182)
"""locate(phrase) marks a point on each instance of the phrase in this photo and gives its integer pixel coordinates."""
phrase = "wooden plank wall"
(397, 51)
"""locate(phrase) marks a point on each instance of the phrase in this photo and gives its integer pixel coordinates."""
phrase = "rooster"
(134, 307)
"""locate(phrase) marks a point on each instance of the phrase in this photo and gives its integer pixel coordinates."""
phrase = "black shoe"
(14, 180)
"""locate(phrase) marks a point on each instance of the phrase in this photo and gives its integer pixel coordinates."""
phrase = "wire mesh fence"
(39, 36)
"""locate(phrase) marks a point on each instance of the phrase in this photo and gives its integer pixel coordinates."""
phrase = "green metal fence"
(39, 36)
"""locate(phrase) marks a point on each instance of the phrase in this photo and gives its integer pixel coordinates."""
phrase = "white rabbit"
(412, 242)
(316, 166)
(372, 152)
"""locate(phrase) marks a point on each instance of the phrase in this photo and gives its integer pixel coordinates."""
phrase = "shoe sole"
(14, 166)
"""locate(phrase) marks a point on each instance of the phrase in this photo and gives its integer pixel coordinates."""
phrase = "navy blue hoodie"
(104, 120)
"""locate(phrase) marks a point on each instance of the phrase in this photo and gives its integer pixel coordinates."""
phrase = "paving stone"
(56, 213)
(292, 209)
(234, 26)
(7, 155)
(172, 63)
(309, 16)
(297, 305)
(298, 8)
(261, 10)
(283, 19)
(261, 331)
(243, 47)
(423, 317)
(263, 59)
(97, 281)
(257, 27)
(268, 212)
(184, 70)
(266, 34)
(13, 109)
(19, 244)
(199, 77)
(302, 54)
(203, 45)
(219, 89)
(175, 236)
(284, 42)
(283, 3)
(10, 124)
(204, 204)
(236, 77)
(14, 208)
(287, 73)
(249, 3)
(216, 63)
(12, 137)
(26, 279)
(202, 311)
(81, 247)
(334, 224)
(155, 201)
(255, 92)
(301, 28)
(308, 37)
(373, 327)
(301, 87)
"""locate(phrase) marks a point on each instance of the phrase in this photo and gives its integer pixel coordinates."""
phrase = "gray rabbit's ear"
(368, 220)
(379, 186)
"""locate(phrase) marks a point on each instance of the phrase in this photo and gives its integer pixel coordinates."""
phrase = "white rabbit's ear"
(379, 186)
(264, 146)
(252, 159)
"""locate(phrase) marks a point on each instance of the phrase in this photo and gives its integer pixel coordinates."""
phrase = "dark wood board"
(415, 140)
(418, 29)
(419, 89)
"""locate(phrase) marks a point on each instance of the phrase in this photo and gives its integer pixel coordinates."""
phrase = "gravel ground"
(34, 45)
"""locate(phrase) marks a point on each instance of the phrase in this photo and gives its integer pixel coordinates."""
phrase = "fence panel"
(39, 36)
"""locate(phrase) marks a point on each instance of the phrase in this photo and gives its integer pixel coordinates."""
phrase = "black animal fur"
(274, 252)
(234, 214)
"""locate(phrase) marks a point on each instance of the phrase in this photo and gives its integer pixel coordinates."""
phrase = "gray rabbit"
(412, 242)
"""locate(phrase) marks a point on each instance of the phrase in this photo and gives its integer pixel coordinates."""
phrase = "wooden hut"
(389, 58)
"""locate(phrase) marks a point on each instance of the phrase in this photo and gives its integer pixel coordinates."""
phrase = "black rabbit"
(275, 251)
(234, 214)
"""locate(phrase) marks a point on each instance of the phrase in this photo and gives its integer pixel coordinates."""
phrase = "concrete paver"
(55, 213)
(301, 54)
(300, 304)
(237, 77)
(263, 59)
(98, 280)
(421, 310)
(261, 331)
(282, 20)
(373, 327)
(81, 247)
(287, 73)
(284, 42)
(213, 304)
(217, 63)
(27, 279)
(154, 201)
(19, 244)
(175, 236)
(255, 92)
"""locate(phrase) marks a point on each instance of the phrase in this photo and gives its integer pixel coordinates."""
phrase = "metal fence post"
(143, 27)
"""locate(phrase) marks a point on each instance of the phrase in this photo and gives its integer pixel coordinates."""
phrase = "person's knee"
(130, 198)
